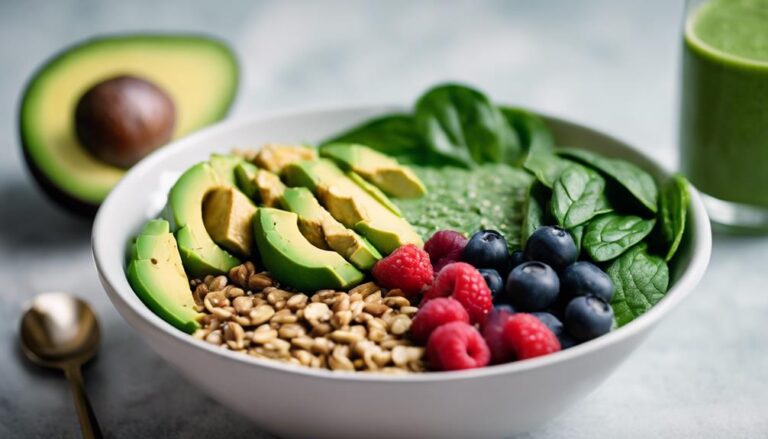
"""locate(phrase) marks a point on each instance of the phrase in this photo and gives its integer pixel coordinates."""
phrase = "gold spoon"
(60, 331)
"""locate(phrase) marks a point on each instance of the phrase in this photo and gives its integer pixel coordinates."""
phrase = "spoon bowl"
(59, 328)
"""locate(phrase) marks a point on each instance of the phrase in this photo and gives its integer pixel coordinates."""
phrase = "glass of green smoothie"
(724, 109)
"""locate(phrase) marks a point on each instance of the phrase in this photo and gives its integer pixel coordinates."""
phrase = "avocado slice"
(274, 157)
(63, 168)
(293, 260)
(381, 170)
(156, 274)
(228, 218)
(200, 254)
(324, 231)
(224, 165)
(260, 185)
(245, 178)
(352, 205)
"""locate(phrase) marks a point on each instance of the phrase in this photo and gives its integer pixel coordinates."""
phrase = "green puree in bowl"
(488, 196)
(724, 122)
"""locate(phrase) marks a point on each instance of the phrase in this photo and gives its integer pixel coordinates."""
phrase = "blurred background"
(609, 64)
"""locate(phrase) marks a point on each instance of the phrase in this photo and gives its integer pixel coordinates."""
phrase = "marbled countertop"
(611, 64)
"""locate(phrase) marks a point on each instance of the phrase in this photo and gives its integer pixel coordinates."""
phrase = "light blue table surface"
(610, 64)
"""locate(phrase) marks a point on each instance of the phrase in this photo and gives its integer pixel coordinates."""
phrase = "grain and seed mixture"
(363, 329)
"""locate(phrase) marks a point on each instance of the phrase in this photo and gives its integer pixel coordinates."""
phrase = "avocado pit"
(122, 119)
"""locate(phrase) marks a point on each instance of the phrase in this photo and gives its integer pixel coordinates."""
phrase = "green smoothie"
(724, 122)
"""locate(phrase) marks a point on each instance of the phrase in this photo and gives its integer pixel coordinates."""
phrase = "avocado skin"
(64, 199)
(293, 260)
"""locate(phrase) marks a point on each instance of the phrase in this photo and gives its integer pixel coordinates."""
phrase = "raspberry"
(444, 247)
(493, 333)
(464, 283)
(407, 268)
(456, 346)
(528, 337)
(435, 313)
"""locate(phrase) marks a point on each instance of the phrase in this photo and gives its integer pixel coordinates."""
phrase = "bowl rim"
(112, 276)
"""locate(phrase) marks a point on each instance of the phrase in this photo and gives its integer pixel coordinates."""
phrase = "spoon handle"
(89, 426)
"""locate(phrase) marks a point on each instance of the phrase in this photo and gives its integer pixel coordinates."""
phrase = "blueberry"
(586, 279)
(588, 317)
(504, 307)
(553, 246)
(532, 286)
(566, 340)
(553, 323)
(493, 280)
(556, 326)
(516, 258)
(487, 249)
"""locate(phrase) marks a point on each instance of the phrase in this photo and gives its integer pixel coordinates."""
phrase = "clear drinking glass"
(724, 109)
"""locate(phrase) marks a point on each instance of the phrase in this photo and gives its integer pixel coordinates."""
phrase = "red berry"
(464, 283)
(435, 313)
(457, 346)
(528, 337)
(407, 268)
(493, 333)
(445, 247)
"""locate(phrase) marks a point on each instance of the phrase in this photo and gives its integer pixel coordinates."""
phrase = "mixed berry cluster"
(481, 304)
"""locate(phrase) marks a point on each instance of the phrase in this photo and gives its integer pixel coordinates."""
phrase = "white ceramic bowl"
(291, 401)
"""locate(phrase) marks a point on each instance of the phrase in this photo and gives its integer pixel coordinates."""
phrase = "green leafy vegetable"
(534, 210)
(534, 134)
(610, 235)
(673, 208)
(393, 134)
(463, 125)
(638, 182)
(640, 280)
(576, 196)
(577, 233)
(546, 166)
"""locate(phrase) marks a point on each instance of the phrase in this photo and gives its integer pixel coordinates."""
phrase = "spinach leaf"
(640, 280)
(638, 182)
(534, 134)
(610, 235)
(577, 196)
(463, 125)
(577, 233)
(546, 166)
(673, 209)
(393, 134)
(534, 211)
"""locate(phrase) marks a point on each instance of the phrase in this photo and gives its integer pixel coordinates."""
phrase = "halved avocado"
(352, 204)
(324, 231)
(200, 254)
(293, 260)
(199, 74)
(156, 274)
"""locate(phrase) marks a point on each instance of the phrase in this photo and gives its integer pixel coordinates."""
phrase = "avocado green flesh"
(293, 260)
(301, 202)
(200, 254)
(156, 274)
(224, 165)
(382, 227)
(381, 170)
(245, 176)
(47, 131)
(375, 192)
